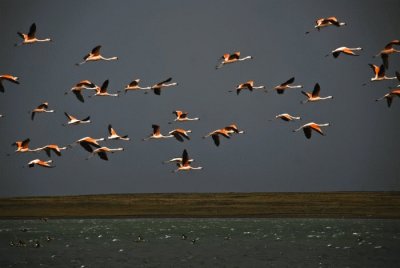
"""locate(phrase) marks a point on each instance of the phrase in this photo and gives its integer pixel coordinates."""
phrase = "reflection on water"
(200, 242)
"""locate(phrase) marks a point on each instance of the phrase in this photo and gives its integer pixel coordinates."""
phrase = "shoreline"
(346, 205)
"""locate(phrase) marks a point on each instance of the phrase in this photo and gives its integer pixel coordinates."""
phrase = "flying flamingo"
(87, 143)
(386, 51)
(157, 134)
(232, 128)
(280, 89)
(134, 85)
(185, 164)
(94, 55)
(307, 128)
(324, 22)
(77, 89)
(114, 135)
(30, 38)
(314, 96)
(7, 77)
(216, 133)
(176, 160)
(41, 163)
(287, 117)
(180, 133)
(379, 73)
(22, 146)
(157, 87)
(344, 50)
(72, 120)
(183, 116)
(231, 58)
(51, 148)
(42, 108)
(247, 85)
(102, 152)
(389, 96)
(102, 91)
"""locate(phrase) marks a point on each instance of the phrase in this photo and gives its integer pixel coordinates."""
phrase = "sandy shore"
(264, 205)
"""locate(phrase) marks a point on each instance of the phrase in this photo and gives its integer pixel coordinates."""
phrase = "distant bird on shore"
(309, 127)
(102, 91)
(231, 58)
(280, 89)
(157, 87)
(30, 38)
(180, 133)
(95, 55)
(102, 152)
(87, 143)
(22, 146)
(379, 72)
(286, 117)
(72, 120)
(114, 136)
(386, 51)
(42, 108)
(157, 134)
(77, 89)
(185, 164)
(314, 96)
(41, 163)
(182, 116)
(344, 50)
(51, 148)
(7, 77)
(389, 96)
(134, 85)
(216, 133)
(247, 85)
(324, 22)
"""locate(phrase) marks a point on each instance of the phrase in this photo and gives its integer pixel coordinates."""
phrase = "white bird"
(102, 152)
(182, 116)
(344, 50)
(102, 91)
(389, 96)
(309, 127)
(231, 58)
(72, 120)
(314, 96)
(157, 134)
(41, 163)
(114, 136)
(94, 55)
(42, 108)
(287, 117)
(185, 164)
(379, 72)
(134, 85)
(247, 85)
(7, 77)
(280, 89)
(30, 38)
(157, 87)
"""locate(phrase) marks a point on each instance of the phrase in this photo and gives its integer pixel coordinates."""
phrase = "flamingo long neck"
(324, 125)
(169, 85)
(245, 58)
(112, 58)
(297, 86)
(342, 23)
(49, 111)
(259, 87)
(116, 149)
(325, 98)
(389, 78)
(193, 119)
(355, 48)
(43, 40)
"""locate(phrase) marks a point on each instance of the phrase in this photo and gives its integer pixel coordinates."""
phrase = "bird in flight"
(102, 152)
(157, 134)
(87, 143)
(309, 127)
(77, 89)
(157, 87)
(231, 58)
(215, 135)
(95, 55)
(180, 133)
(184, 165)
(102, 91)
(41, 163)
(379, 72)
(22, 146)
(389, 96)
(287, 117)
(42, 108)
(72, 120)
(324, 22)
(7, 77)
(182, 116)
(344, 50)
(387, 50)
(134, 85)
(247, 85)
(280, 89)
(314, 96)
(51, 148)
(30, 38)
(114, 136)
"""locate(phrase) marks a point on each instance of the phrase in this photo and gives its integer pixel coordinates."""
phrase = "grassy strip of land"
(265, 205)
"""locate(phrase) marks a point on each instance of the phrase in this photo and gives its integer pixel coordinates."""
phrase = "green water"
(200, 243)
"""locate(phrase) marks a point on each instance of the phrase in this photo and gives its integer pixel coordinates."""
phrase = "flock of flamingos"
(184, 162)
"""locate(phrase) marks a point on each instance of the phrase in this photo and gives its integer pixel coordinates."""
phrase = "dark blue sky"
(155, 40)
